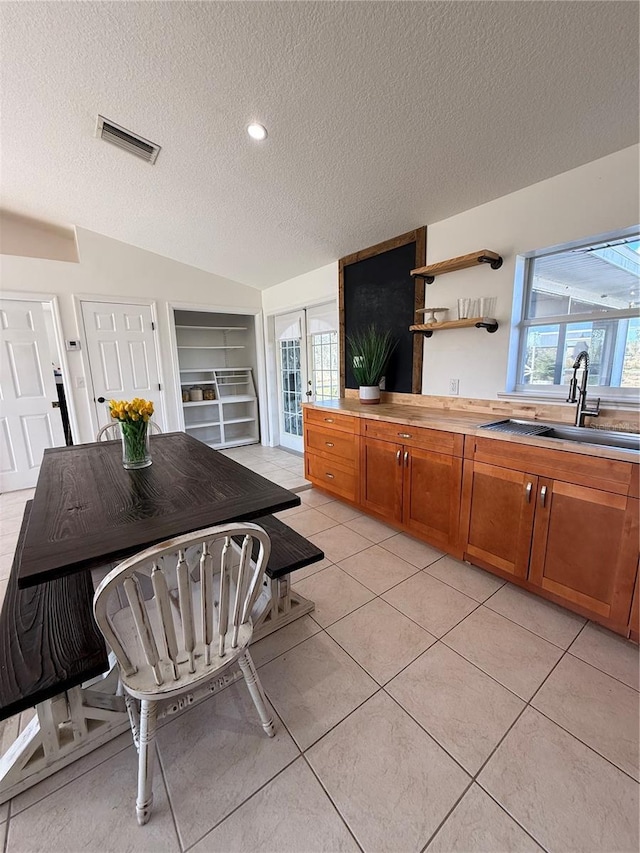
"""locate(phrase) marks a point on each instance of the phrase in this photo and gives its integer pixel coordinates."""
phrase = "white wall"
(34, 239)
(594, 199)
(110, 268)
(311, 288)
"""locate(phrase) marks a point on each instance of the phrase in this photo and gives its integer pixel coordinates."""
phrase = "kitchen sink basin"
(581, 435)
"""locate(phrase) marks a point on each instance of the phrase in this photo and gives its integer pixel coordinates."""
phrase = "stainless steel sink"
(582, 435)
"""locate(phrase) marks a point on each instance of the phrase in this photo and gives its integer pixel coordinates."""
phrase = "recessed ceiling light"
(257, 131)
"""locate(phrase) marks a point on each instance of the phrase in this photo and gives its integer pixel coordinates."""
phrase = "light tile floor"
(424, 706)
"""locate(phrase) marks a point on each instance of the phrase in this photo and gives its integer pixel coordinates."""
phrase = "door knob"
(101, 400)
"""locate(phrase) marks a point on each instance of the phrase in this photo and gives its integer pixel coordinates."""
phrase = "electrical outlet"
(454, 386)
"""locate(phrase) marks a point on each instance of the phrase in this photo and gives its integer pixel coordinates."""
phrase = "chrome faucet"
(579, 395)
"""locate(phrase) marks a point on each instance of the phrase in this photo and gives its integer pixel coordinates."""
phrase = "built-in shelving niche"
(217, 353)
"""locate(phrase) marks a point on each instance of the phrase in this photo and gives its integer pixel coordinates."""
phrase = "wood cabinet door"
(499, 509)
(381, 478)
(431, 496)
(585, 548)
(634, 621)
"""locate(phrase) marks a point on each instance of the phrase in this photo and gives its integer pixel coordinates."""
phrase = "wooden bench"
(50, 646)
(49, 641)
(289, 551)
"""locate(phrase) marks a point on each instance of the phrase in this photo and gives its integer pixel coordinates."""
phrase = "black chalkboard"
(379, 290)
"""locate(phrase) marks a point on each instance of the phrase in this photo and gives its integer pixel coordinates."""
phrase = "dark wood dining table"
(89, 511)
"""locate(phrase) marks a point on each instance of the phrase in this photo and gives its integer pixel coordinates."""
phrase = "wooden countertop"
(468, 424)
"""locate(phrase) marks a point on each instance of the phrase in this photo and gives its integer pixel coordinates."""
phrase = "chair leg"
(146, 759)
(257, 693)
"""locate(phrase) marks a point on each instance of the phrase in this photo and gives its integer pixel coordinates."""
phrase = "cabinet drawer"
(596, 472)
(330, 419)
(428, 439)
(332, 476)
(332, 444)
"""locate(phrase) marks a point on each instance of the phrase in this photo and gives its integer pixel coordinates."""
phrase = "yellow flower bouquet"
(134, 417)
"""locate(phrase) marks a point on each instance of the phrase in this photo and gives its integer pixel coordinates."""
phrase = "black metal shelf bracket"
(491, 326)
(494, 263)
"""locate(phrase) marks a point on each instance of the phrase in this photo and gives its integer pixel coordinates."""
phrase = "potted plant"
(369, 352)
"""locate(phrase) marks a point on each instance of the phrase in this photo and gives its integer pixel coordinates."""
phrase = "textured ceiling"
(381, 117)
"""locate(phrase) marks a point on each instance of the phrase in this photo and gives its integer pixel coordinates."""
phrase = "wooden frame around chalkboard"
(417, 236)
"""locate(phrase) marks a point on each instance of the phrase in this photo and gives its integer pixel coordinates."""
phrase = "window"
(324, 366)
(579, 299)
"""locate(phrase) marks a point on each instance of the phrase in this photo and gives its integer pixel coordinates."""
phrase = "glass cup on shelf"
(487, 306)
(464, 306)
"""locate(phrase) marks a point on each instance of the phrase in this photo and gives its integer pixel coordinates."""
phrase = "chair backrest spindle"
(206, 584)
(161, 593)
(186, 608)
(143, 625)
(225, 582)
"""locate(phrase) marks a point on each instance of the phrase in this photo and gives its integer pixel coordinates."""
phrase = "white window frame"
(520, 324)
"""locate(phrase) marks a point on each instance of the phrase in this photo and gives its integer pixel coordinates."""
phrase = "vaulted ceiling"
(381, 117)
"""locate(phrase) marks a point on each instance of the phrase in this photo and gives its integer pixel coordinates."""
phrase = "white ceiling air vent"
(123, 138)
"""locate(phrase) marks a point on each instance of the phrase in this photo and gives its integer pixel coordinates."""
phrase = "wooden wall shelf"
(463, 262)
(427, 329)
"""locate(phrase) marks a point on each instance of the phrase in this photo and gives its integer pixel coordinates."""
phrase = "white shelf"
(228, 425)
(202, 425)
(237, 346)
(238, 370)
(237, 398)
(236, 442)
(213, 328)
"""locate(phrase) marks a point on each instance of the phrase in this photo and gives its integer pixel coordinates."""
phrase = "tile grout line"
(70, 781)
(247, 799)
(5, 846)
(330, 798)
(166, 788)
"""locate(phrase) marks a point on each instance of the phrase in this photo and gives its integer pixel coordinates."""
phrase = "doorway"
(31, 390)
(122, 355)
(307, 366)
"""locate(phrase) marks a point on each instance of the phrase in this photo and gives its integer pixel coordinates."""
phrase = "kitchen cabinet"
(501, 504)
(585, 548)
(414, 481)
(560, 524)
(331, 452)
(634, 621)
(576, 543)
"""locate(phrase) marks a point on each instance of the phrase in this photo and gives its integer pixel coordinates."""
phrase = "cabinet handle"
(330, 476)
(406, 458)
(329, 443)
(405, 435)
(528, 492)
(543, 495)
(398, 456)
(329, 420)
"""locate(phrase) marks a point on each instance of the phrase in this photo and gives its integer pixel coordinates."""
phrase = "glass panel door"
(308, 370)
(323, 357)
(292, 378)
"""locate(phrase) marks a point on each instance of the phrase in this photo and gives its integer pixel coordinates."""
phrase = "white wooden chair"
(175, 645)
(111, 431)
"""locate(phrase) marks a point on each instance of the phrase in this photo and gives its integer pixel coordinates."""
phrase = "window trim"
(520, 323)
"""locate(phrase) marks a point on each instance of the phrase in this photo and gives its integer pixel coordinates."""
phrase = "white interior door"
(292, 377)
(30, 419)
(122, 355)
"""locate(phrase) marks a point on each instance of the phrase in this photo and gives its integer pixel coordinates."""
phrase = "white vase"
(369, 394)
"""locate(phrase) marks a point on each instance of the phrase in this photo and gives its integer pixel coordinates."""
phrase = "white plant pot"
(369, 394)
